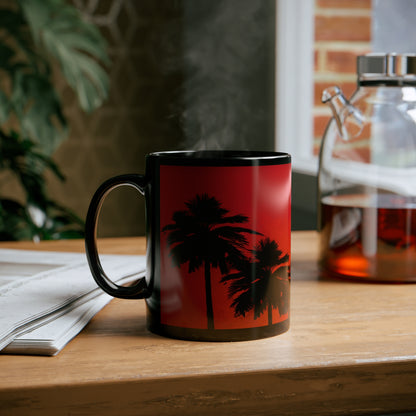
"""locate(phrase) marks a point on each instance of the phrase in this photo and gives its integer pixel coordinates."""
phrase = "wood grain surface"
(351, 349)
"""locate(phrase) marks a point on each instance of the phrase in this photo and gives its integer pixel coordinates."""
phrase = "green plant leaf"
(34, 34)
(38, 108)
(14, 222)
(60, 31)
(11, 21)
(6, 54)
(22, 158)
(4, 107)
(17, 36)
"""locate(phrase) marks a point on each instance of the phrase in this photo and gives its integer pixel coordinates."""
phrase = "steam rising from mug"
(228, 88)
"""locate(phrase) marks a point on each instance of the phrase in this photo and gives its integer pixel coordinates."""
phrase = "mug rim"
(220, 157)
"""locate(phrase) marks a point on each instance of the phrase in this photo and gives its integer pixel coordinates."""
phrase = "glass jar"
(367, 174)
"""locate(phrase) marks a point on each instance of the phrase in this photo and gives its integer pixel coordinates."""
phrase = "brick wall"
(342, 32)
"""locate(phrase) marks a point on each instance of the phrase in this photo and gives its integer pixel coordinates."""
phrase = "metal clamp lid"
(390, 66)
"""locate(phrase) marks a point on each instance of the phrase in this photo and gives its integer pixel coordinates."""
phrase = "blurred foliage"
(36, 38)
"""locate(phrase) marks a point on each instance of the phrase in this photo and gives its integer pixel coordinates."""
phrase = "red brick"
(344, 28)
(319, 125)
(351, 152)
(359, 153)
(356, 148)
(321, 121)
(344, 4)
(341, 61)
(365, 133)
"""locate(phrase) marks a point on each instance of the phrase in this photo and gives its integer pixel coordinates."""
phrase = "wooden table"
(351, 349)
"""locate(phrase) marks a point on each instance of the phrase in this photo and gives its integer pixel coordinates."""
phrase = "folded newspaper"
(46, 298)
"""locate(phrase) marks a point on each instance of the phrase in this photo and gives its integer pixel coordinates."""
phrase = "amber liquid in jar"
(369, 237)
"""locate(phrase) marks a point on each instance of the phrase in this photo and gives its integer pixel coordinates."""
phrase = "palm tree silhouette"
(204, 235)
(260, 283)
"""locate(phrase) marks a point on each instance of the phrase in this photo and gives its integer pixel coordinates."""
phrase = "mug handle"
(140, 289)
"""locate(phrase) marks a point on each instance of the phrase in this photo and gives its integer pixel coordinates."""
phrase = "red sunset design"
(225, 245)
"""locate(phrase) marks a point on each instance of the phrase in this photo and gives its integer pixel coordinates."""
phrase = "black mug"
(218, 243)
